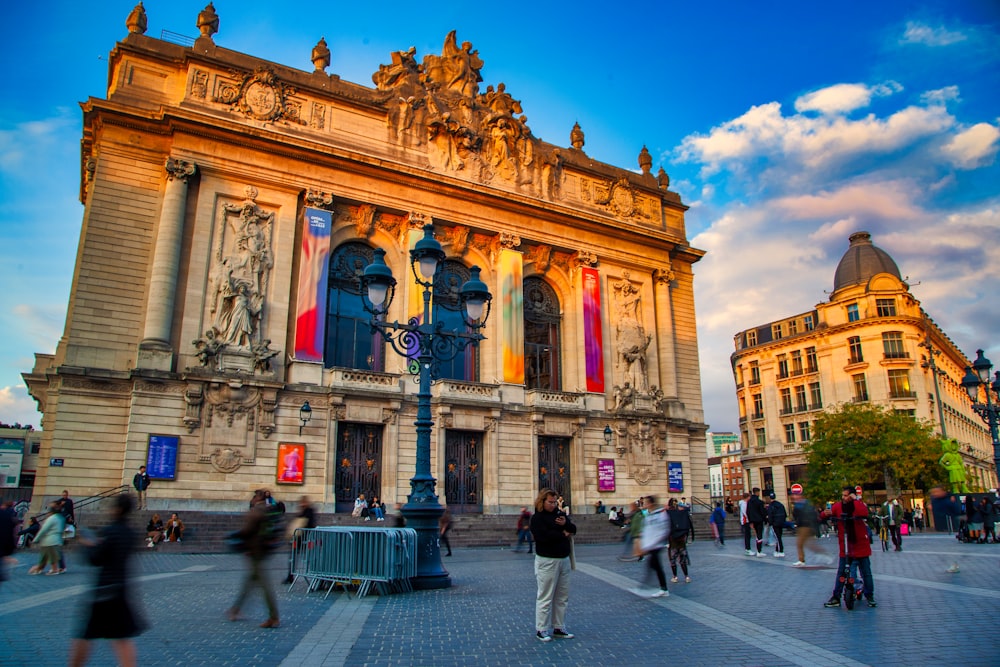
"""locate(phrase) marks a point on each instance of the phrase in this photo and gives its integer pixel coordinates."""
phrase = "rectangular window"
(758, 406)
(808, 322)
(815, 397)
(800, 398)
(892, 343)
(854, 345)
(899, 384)
(886, 307)
(754, 373)
(793, 327)
(777, 331)
(797, 362)
(761, 437)
(786, 401)
(852, 313)
(751, 338)
(860, 388)
(804, 433)
(790, 433)
(782, 366)
(812, 364)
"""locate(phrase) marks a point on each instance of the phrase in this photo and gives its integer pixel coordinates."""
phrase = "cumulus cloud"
(972, 148)
(17, 407)
(844, 97)
(941, 95)
(921, 33)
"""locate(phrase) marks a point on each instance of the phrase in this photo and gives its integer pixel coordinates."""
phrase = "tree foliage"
(867, 444)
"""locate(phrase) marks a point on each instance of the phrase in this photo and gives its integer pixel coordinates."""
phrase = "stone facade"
(197, 171)
(871, 341)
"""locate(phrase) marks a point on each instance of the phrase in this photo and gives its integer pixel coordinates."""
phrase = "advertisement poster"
(161, 457)
(675, 475)
(605, 474)
(291, 463)
(11, 455)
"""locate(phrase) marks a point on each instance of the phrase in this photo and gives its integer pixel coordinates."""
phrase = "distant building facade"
(231, 205)
(870, 342)
(19, 449)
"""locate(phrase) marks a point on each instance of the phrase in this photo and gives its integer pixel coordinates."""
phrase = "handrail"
(90, 500)
(698, 501)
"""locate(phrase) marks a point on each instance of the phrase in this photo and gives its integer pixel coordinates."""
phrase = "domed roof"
(861, 262)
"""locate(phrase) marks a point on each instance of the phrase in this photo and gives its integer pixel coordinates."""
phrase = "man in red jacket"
(849, 516)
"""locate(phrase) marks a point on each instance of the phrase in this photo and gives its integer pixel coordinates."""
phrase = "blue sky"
(784, 125)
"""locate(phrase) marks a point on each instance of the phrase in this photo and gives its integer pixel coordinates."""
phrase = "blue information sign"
(675, 476)
(161, 459)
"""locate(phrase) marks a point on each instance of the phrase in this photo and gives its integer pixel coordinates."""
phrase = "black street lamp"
(430, 344)
(976, 376)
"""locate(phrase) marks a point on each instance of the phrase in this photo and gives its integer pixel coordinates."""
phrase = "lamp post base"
(423, 518)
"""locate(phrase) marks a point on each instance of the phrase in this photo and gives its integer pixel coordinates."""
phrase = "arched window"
(541, 335)
(350, 342)
(450, 316)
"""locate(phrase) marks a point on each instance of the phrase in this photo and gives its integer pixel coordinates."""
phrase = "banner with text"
(310, 306)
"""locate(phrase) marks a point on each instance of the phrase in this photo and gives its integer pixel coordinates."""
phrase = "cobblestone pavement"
(736, 611)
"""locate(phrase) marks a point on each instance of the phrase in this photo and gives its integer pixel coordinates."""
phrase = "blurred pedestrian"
(806, 524)
(444, 527)
(718, 521)
(305, 519)
(524, 530)
(257, 538)
(8, 523)
(630, 550)
(552, 530)
(655, 533)
(111, 613)
(50, 540)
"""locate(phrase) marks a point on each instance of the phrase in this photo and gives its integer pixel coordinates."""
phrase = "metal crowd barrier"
(383, 558)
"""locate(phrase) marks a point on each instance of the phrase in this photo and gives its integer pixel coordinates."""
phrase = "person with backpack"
(777, 515)
(260, 533)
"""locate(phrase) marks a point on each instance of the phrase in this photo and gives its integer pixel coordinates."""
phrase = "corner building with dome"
(231, 206)
(870, 342)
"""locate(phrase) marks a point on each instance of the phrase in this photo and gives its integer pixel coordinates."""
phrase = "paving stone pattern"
(736, 611)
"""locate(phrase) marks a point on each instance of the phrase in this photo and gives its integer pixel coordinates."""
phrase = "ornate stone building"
(231, 205)
(871, 341)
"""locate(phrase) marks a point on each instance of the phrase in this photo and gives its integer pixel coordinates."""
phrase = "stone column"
(665, 333)
(166, 258)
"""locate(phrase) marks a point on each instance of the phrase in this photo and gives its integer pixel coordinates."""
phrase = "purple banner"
(593, 344)
(605, 474)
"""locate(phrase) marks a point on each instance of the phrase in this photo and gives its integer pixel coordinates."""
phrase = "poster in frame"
(161, 456)
(291, 463)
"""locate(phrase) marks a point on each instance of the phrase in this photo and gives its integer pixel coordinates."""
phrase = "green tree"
(863, 443)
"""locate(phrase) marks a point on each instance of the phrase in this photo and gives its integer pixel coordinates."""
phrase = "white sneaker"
(660, 594)
(748, 552)
(687, 580)
(798, 563)
(779, 554)
(673, 580)
(761, 554)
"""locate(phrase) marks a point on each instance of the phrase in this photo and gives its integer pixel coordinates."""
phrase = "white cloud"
(921, 33)
(17, 407)
(941, 95)
(974, 147)
(844, 97)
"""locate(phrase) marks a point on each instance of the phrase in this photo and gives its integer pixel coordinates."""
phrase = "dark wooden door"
(463, 478)
(553, 466)
(359, 463)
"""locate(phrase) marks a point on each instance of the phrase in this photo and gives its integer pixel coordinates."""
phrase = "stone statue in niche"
(242, 269)
(633, 340)
(456, 69)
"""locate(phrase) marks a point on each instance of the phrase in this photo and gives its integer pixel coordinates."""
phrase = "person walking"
(552, 530)
(777, 515)
(8, 524)
(256, 536)
(444, 526)
(745, 523)
(50, 540)
(755, 516)
(893, 514)
(806, 525)
(680, 526)
(718, 521)
(655, 533)
(111, 613)
(141, 482)
(633, 536)
(524, 530)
